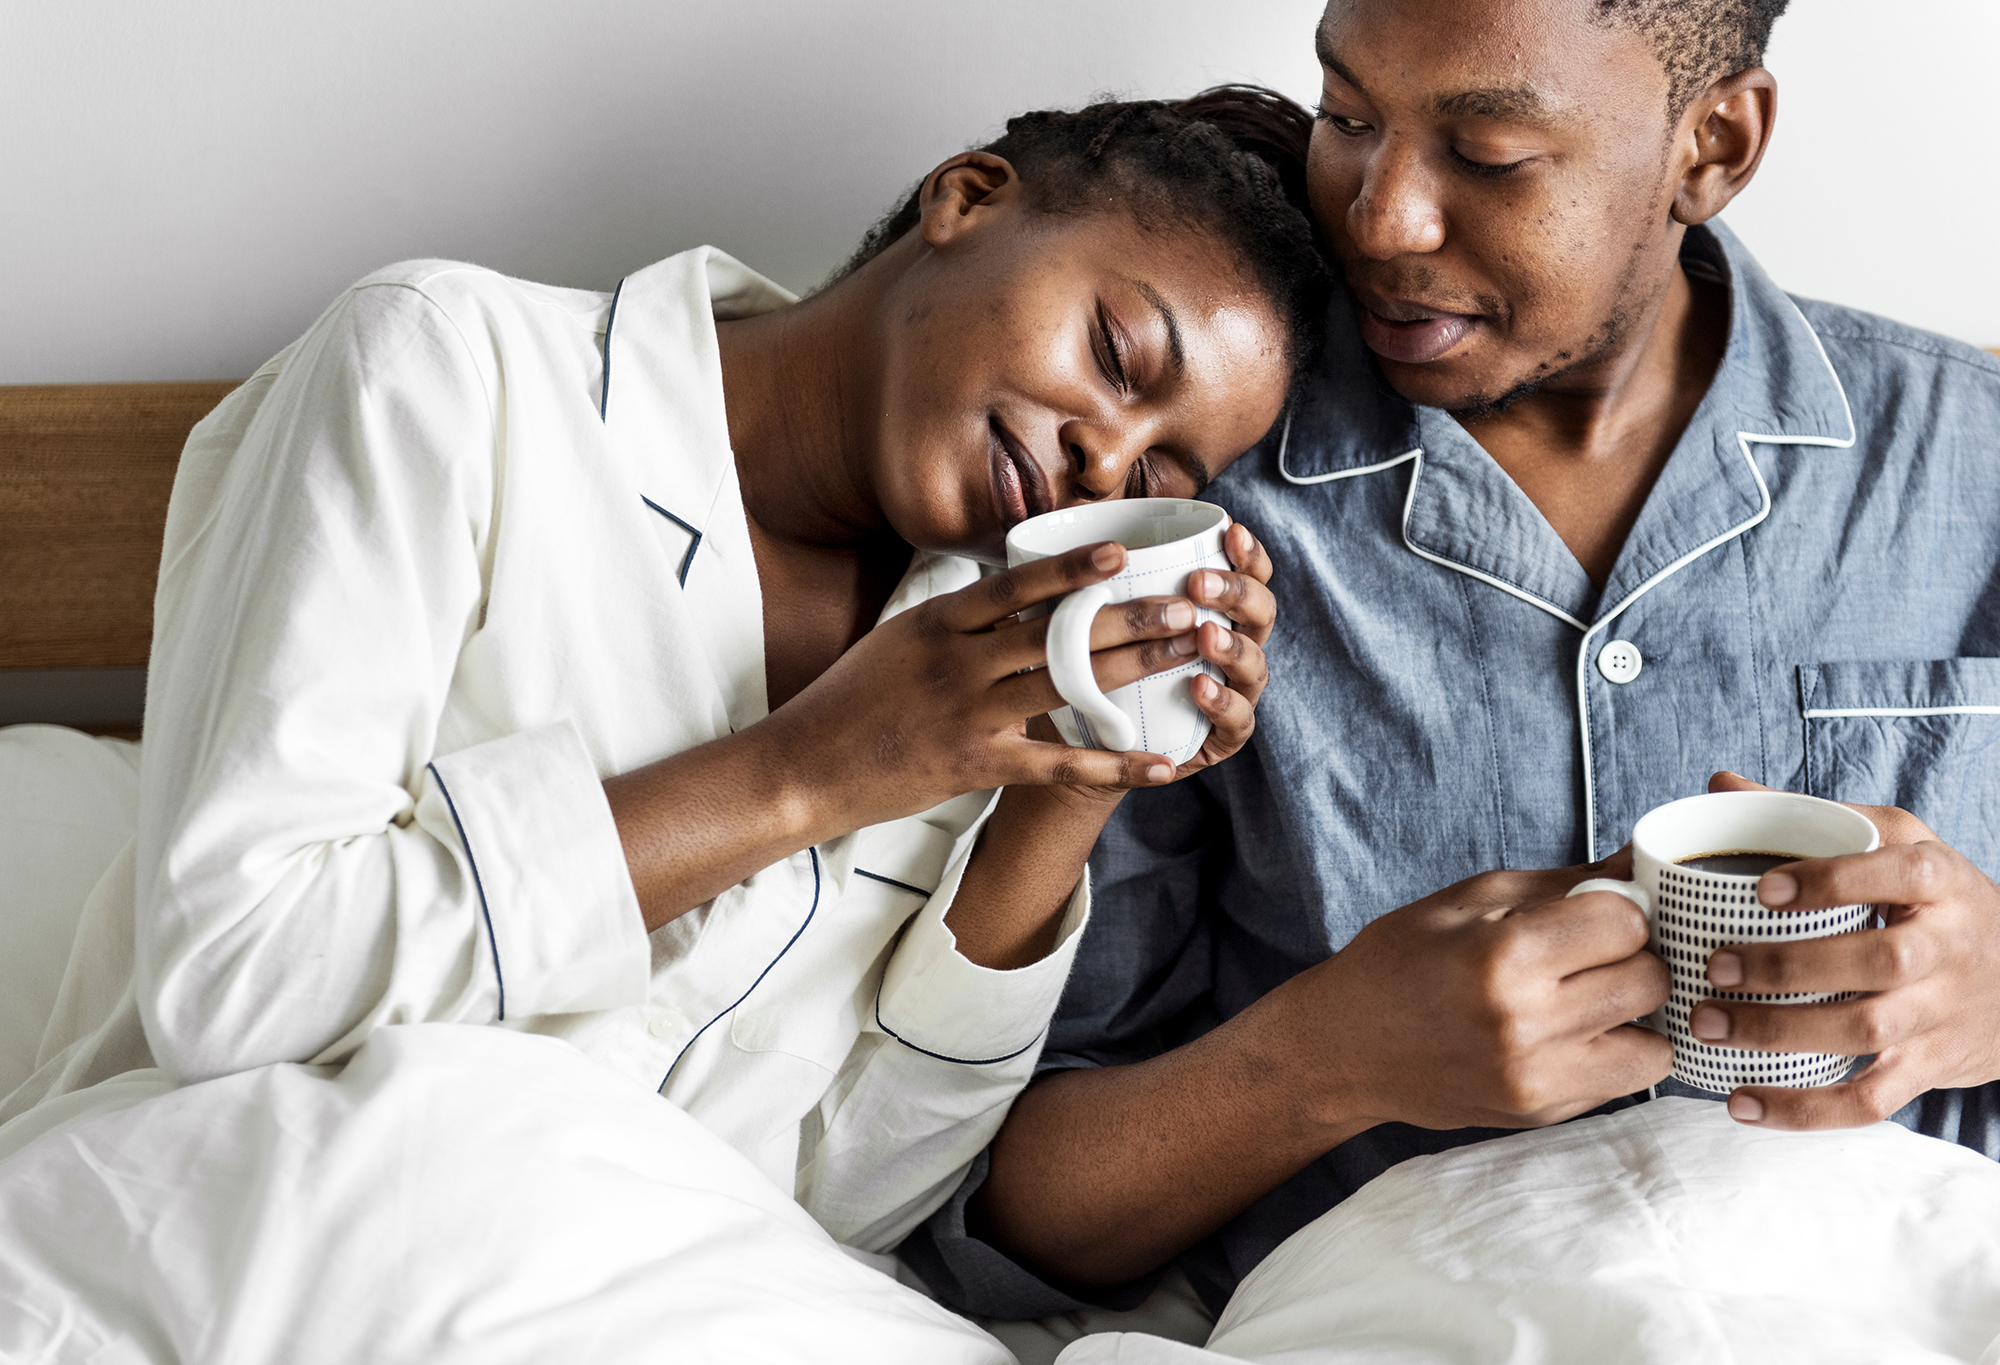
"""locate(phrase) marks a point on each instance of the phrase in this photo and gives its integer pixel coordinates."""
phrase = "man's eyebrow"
(1333, 63)
(1175, 351)
(1503, 104)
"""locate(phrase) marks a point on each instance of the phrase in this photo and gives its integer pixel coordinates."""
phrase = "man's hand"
(1498, 1002)
(1930, 979)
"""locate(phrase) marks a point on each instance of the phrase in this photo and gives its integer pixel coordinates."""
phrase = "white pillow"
(1663, 1233)
(68, 803)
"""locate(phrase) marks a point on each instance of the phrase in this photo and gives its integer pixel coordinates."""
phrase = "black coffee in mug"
(1737, 862)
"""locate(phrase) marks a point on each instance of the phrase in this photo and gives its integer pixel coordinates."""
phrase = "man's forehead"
(1520, 61)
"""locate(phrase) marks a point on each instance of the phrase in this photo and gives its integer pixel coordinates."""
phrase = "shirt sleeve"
(1140, 986)
(949, 1046)
(309, 864)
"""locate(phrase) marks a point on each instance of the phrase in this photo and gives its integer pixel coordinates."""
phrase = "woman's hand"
(935, 702)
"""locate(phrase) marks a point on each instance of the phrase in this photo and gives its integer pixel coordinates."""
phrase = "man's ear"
(955, 194)
(1726, 130)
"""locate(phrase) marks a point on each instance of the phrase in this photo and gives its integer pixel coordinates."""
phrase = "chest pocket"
(1920, 734)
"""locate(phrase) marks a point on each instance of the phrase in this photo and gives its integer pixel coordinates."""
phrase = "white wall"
(185, 183)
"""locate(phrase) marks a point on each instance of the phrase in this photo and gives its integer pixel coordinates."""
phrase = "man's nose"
(1396, 213)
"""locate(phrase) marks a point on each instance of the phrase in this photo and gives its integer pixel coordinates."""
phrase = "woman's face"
(1037, 361)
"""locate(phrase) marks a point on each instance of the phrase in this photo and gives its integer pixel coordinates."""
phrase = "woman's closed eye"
(1110, 355)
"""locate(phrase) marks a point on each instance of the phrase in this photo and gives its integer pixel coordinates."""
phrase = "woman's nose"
(1097, 461)
(1396, 213)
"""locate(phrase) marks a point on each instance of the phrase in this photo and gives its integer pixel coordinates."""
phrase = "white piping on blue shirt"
(1743, 441)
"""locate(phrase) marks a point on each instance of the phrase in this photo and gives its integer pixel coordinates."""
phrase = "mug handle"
(1631, 891)
(1069, 669)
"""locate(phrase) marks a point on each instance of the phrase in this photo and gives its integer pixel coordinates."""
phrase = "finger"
(1232, 718)
(1884, 1086)
(1906, 874)
(1240, 658)
(1039, 764)
(1628, 1058)
(1896, 826)
(1604, 997)
(1246, 552)
(1860, 1027)
(1862, 960)
(1245, 601)
(997, 596)
(1028, 694)
(1014, 645)
(1569, 934)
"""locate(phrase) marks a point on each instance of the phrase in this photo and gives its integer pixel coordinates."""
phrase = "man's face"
(1495, 177)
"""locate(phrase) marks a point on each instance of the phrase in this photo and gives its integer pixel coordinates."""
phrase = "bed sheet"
(68, 803)
(455, 1194)
(1659, 1235)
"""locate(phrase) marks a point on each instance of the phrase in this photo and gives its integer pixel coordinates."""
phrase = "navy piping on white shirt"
(687, 560)
(604, 393)
(814, 909)
(891, 881)
(499, 981)
(962, 1061)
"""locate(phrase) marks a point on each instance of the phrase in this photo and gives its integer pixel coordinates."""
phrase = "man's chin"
(1460, 385)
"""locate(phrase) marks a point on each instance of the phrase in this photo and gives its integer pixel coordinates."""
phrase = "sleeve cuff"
(941, 1003)
(559, 920)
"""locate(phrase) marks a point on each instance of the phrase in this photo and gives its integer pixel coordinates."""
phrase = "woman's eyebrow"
(1175, 351)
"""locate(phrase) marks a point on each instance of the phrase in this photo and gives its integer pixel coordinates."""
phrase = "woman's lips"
(1018, 488)
(1410, 333)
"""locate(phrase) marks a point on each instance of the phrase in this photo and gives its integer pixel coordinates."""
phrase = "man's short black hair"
(1699, 41)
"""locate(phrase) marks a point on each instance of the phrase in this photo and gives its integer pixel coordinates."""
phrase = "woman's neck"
(799, 391)
(798, 387)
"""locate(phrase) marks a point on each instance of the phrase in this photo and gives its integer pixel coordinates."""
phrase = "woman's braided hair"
(1231, 161)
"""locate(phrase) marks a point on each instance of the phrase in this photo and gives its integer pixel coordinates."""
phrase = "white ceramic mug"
(1165, 540)
(1693, 912)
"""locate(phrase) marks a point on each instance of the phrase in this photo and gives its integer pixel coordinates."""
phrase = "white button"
(1620, 661)
(667, 1023)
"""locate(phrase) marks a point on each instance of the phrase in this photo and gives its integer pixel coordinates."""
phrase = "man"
(1580, 509)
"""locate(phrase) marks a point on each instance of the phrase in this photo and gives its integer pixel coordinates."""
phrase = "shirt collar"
(1775, 381)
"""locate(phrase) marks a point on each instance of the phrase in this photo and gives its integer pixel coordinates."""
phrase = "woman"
(619, 668)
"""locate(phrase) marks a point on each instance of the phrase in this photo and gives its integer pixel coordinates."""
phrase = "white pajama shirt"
(464, 550)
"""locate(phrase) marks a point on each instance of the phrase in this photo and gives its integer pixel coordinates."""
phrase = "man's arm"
(1495, 1003)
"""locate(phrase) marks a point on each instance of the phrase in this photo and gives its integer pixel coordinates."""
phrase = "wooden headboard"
(85, 470)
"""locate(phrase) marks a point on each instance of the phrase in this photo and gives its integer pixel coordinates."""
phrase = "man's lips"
(1020, 490)
(1413, 333)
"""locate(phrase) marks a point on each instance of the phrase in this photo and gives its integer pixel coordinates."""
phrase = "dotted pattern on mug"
(1701, 911)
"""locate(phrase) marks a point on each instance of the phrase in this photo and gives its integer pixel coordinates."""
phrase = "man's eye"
(1342, 124)
(1487, 169)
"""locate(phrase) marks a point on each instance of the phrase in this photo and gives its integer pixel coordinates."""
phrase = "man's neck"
(1587, 449)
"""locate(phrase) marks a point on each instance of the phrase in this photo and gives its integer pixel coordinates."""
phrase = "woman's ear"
(1724, 134)
(962, 192)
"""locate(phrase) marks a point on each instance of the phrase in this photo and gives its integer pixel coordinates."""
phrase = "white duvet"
(455, 1194)
(1661, 1234)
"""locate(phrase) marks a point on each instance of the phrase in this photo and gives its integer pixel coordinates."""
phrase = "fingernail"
(1204, 584)
(1160, 772)
(1107, 555)
(1778, 888)
(1726, 969)
(1709, 1024)
(1182, 644)
(1180, 615)
(1745, 1108)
